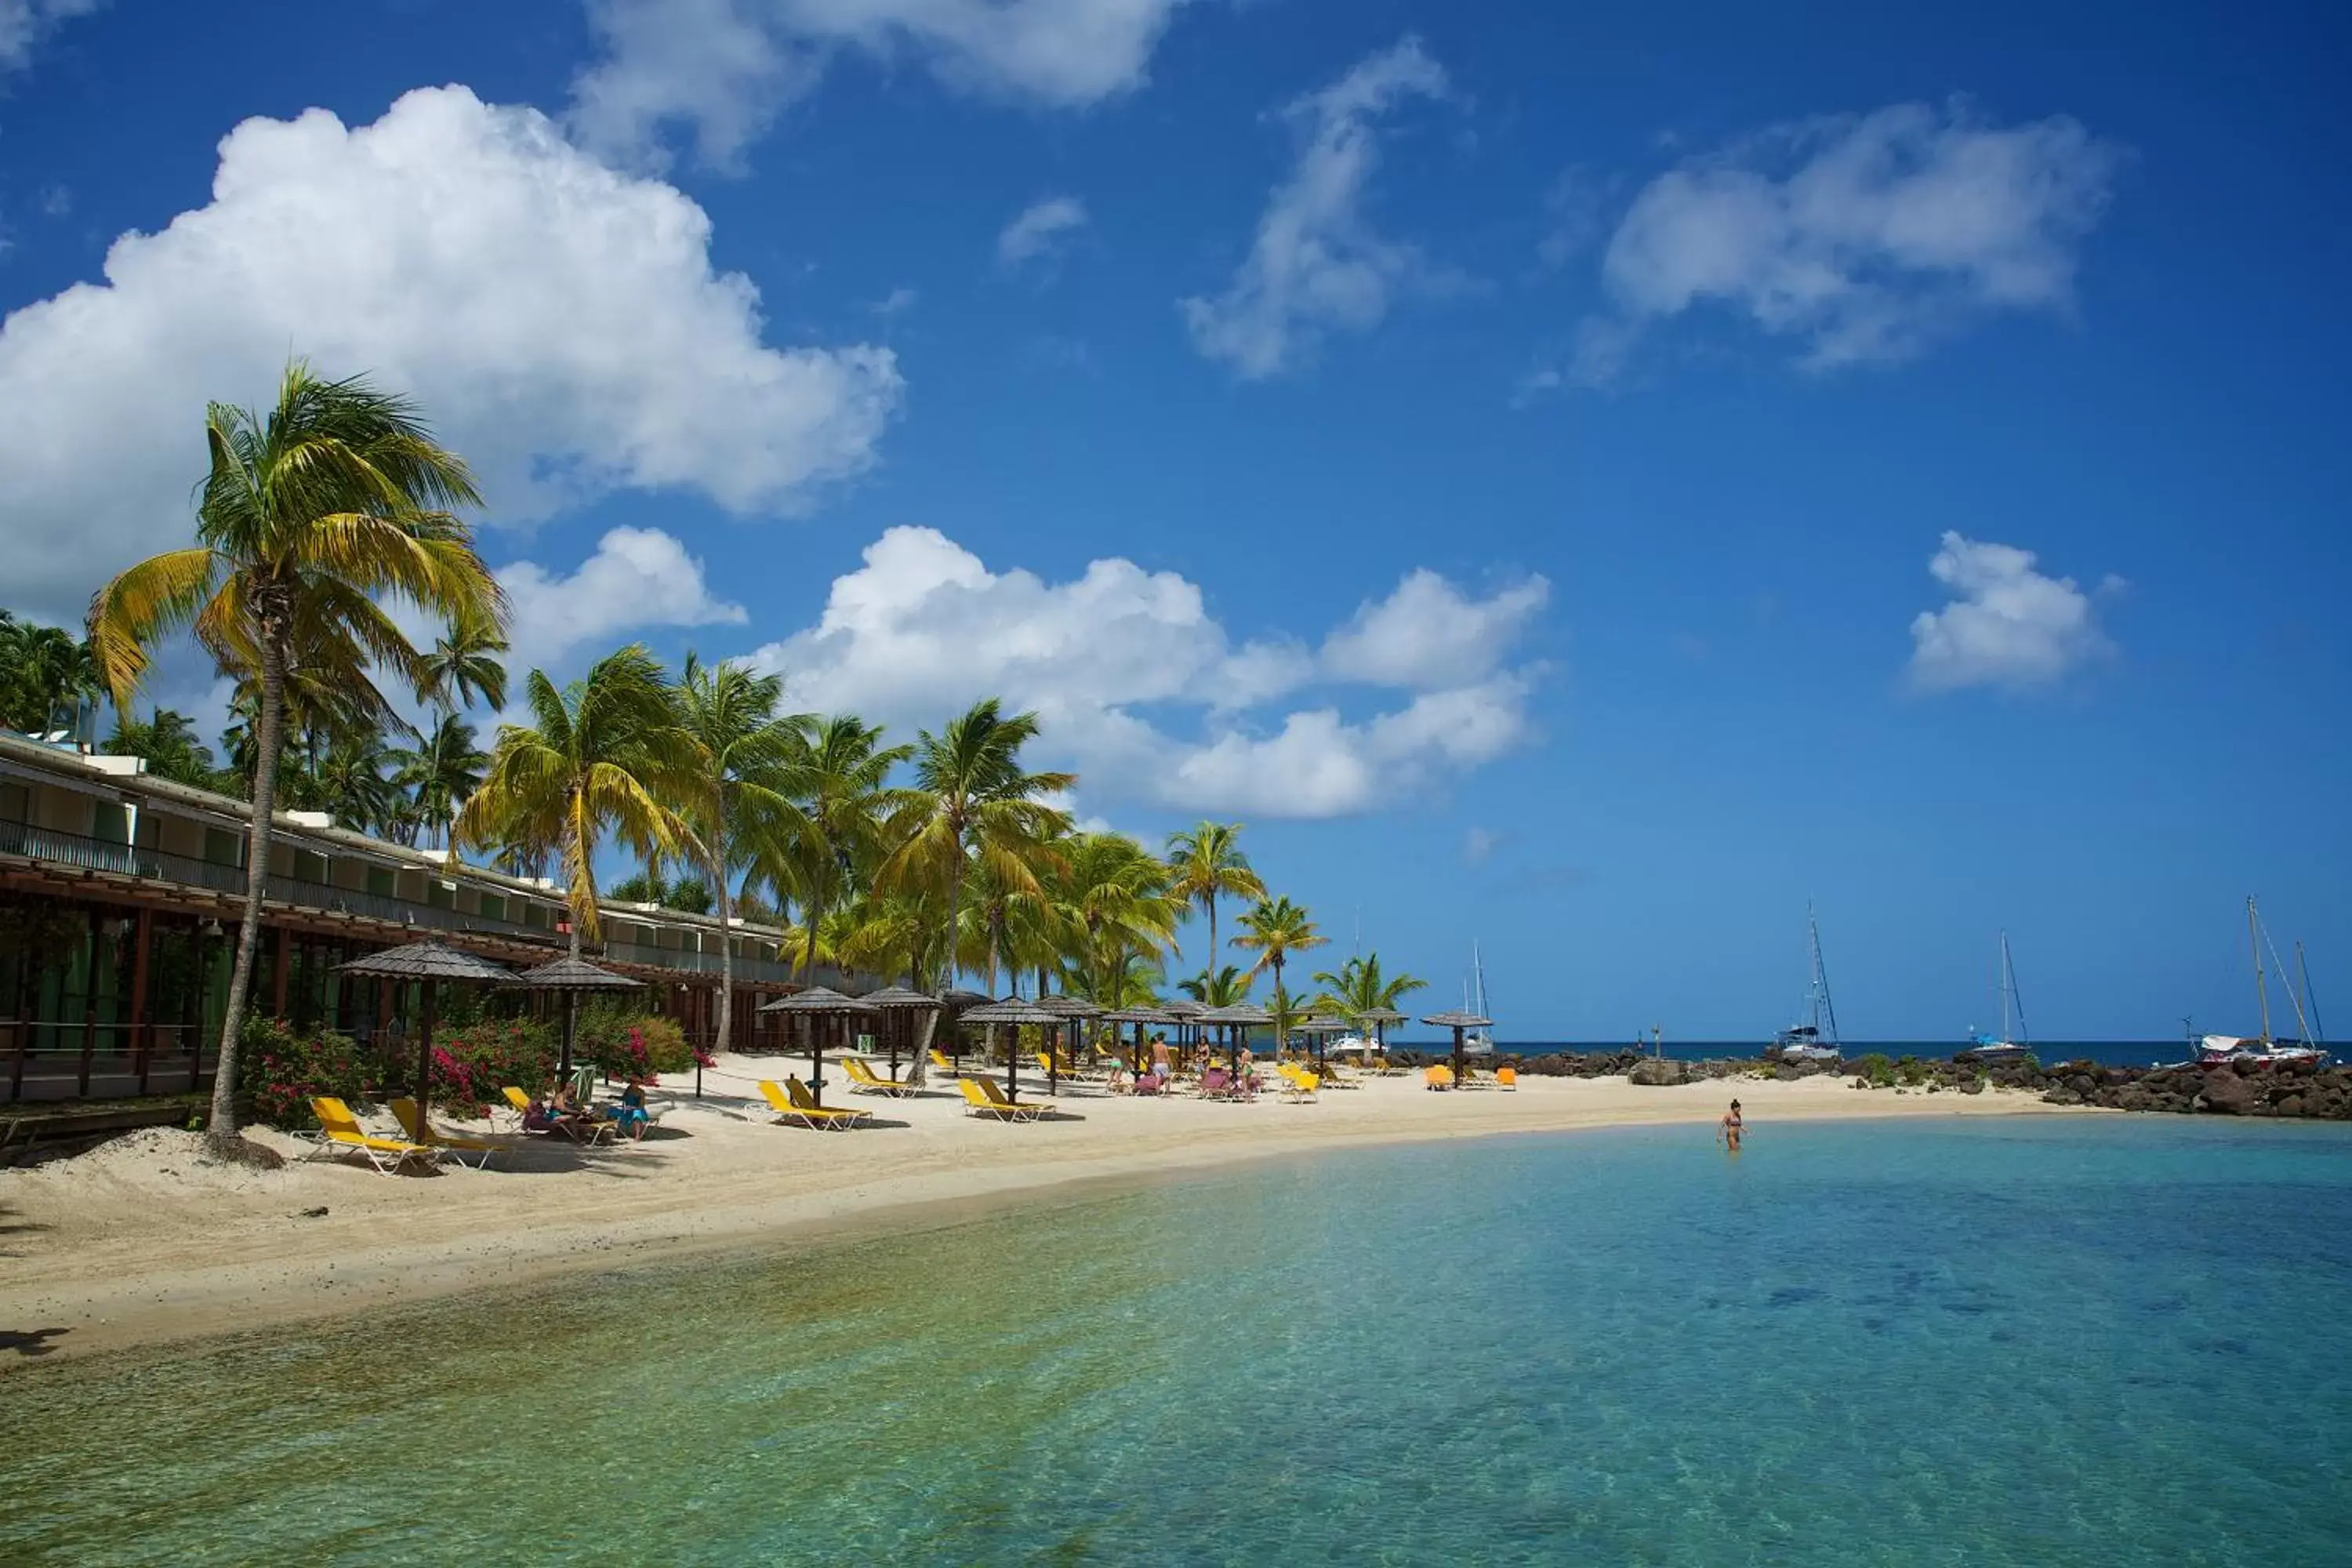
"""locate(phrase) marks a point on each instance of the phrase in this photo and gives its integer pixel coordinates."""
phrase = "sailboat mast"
(2003, 982)
(1824, 1011)
(2262, 984)
(2318, 1030)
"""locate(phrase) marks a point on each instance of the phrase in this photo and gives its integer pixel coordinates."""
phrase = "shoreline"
(137, 1251)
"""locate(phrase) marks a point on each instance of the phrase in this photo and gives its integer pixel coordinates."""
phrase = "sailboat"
(2007, 1042)
(2262, 1050)
(1815, 1038)
(1477, 1042)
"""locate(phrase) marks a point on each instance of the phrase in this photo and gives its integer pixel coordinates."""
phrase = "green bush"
(1911, 1071)
(282, 1070)
(471, 1065)
(1876, 1069)
(620, 1044)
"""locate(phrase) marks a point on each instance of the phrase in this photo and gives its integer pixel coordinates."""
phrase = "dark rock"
(2228, 1094)
(1972, 1085)
(1658, 1072)
(2061, 1095)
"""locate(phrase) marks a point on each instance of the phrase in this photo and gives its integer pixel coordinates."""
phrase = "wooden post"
(142, 1032)
(277, 980)
(89, 1006)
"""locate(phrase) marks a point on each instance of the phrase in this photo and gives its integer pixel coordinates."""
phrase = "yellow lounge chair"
(1507, 1077)
(864, 1079)
(340, 1133)
(518, 1107)
(797, 1107)
(982, 1098)
(939, 1060)
(403, 1110)
(1299, 1085)
(1437, 1078)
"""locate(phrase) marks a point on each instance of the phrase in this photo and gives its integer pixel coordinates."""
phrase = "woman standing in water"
(1731, 1128)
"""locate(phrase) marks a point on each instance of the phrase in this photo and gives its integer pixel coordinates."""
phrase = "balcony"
(86, 854)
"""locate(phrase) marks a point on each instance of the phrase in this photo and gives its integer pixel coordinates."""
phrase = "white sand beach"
(141, 1241)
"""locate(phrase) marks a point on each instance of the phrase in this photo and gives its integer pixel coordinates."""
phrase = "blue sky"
(1584, 480)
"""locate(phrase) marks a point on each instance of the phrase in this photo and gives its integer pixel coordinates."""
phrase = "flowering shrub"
(619, 1045)
(282, 1070)
(472, 1065)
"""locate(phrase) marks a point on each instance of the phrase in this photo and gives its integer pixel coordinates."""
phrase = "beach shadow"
(13, 1227)
(30, 1341)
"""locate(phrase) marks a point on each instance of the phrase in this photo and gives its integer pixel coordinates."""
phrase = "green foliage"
(1878, 1069)
(1911, 1071)
(618, 1041)
(45, 933)
(282, 1070)
(471, 1065)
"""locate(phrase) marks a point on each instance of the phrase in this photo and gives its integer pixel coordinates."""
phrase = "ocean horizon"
(2107, 1053)
(2006, 1339)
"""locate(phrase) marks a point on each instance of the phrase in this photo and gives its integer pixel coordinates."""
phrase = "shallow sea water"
(2018, 1340)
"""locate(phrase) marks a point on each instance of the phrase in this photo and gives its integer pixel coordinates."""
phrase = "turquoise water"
(2004, 1341)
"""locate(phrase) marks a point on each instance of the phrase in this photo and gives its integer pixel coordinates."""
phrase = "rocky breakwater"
(2293, 1090)
(2303, 1090)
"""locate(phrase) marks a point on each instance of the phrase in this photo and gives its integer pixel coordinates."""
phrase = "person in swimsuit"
(1732, 1128)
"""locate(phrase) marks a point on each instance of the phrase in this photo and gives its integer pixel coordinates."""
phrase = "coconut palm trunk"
(274, 616)
(726, 931)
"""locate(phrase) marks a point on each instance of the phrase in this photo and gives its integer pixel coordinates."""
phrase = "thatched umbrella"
(1140, 1017)
(1185, 1011)
(1015, 1010)
(430, 962)
(1457, 1022)
(897, 1001)
(1319, 1028)
(820, 1002)
(1236, 1021)
(571, 976)
(1077, 1010)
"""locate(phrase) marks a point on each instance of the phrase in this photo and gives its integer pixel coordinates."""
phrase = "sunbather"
(629, 1116)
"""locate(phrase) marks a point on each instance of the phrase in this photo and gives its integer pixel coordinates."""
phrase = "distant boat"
(1815, 1037)
(2009, 1042)
(1477, 1042)
(2263, 1050)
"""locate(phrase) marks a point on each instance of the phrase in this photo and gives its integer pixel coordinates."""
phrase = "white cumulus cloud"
(1317, 266)
(560, 323)
(638, 579)
(719, 71)
(2008, 625)
(1431, 634)
(1144, 692)
(1040, 230)
(25, 23)
(1862, 239)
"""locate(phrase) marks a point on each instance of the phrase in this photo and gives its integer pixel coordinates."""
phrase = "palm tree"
(603, 754)
(1359, 988)
(47, 677)
(440, 772)
(971, 798)
(1222, 987)
(464, 669)
(351, 784)
(1274, 929)
(1207, 863)
(750, 760)
(842, 799)
(167, 740)
(1115, 894)
(312, 516)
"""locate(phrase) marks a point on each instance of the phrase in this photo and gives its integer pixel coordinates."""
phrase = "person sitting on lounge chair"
(629, 1116)
(565, 1113)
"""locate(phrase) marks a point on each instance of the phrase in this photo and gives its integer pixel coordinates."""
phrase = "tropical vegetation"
(329, 521)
